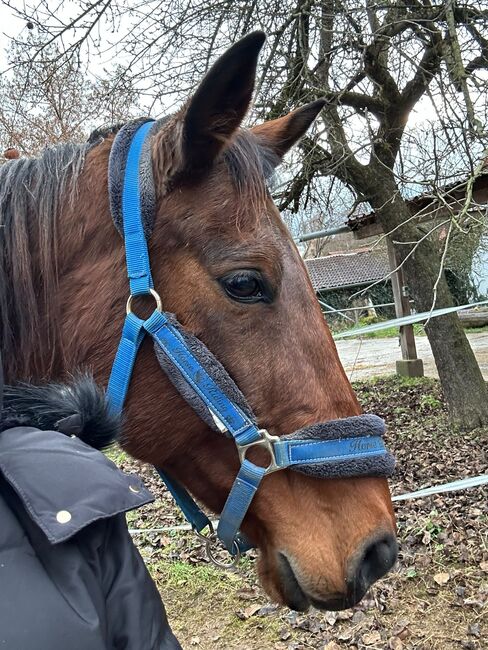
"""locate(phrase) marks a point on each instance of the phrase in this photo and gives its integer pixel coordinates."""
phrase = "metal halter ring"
(267, 441)
(211, 539)
(154, 294)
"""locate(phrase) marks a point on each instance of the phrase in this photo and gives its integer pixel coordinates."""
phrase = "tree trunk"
(465, 390)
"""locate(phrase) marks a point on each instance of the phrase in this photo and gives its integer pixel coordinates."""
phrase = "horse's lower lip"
(336, 603)
(298, 600)
(293, 594)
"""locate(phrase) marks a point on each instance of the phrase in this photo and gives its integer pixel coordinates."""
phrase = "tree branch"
(359, 101)
(426, 71)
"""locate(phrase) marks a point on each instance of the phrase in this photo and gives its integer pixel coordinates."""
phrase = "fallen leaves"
(442, 578)
(474, 630)
(371, 638)
(244, 614)
(434, 599)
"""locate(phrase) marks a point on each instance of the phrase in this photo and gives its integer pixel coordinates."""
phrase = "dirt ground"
(435, 599)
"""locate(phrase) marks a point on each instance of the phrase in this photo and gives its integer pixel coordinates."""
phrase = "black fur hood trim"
(79, 409)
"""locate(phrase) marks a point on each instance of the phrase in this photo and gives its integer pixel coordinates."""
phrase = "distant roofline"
(326, 276)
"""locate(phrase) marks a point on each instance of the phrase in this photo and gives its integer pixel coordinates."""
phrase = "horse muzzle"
(299, 591)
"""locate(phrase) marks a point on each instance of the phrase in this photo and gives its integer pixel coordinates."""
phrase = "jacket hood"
(79, 409)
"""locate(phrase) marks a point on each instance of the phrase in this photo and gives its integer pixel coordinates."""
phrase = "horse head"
(225, 264)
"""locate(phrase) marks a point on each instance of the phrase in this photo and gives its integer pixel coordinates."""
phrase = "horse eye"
(245, 286)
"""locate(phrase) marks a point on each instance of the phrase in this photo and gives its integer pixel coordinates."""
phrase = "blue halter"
(363, 454)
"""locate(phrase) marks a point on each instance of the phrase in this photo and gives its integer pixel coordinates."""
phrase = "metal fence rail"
(453, 486)
(360, 308)
(405, 320)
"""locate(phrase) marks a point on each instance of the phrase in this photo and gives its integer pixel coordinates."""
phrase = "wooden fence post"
(409, 365)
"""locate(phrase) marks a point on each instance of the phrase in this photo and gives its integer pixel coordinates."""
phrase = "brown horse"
(225, 264)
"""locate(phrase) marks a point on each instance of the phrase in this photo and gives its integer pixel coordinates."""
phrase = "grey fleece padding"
(383, 465)
(378, 466)
(116, 172)
(356, 426)
(213, 367)
(353, 427)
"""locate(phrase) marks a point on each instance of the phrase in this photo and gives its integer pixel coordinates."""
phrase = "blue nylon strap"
(118, 384)
(136, 252)
(237, 423)
(187, 505)
(237, 504)
(242, 428)
(132, 336)
(303, 452)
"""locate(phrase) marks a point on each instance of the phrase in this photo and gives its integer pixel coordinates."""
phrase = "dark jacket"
(70, 576)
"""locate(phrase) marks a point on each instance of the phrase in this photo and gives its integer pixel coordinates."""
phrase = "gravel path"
(367, 358)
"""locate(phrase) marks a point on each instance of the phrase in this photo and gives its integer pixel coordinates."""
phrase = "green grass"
(391, 383)
(431, 402)
(116, 455)
(202, 605)
(178, 574)
(476, 330)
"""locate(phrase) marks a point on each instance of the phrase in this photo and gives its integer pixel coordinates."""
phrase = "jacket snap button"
(63, 516)
(134, 489)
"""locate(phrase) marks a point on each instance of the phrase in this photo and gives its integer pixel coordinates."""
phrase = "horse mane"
(33, 193)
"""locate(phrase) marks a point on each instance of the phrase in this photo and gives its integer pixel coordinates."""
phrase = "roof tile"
(347, 269)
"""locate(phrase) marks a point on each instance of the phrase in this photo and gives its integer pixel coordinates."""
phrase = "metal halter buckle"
(267, 441)
(212, 539)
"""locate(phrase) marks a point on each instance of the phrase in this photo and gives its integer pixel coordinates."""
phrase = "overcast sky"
(10, 27)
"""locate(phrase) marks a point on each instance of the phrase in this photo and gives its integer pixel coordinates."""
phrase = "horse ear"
(220, 103)
(281, 134)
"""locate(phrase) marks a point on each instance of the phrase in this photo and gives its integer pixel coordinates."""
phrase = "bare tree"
(50, 100)
(377, 64)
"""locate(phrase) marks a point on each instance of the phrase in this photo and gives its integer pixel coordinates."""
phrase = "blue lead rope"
(231, 418)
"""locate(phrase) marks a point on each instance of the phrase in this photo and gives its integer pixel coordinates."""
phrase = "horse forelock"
(249, 163)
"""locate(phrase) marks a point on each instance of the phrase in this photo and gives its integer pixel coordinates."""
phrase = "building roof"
(347, 269)
(428, 205)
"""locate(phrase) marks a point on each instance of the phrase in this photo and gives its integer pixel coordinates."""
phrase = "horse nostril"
(376, 560)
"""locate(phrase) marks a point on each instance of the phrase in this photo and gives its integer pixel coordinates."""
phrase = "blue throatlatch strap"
(313, 456)
(187, 505)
